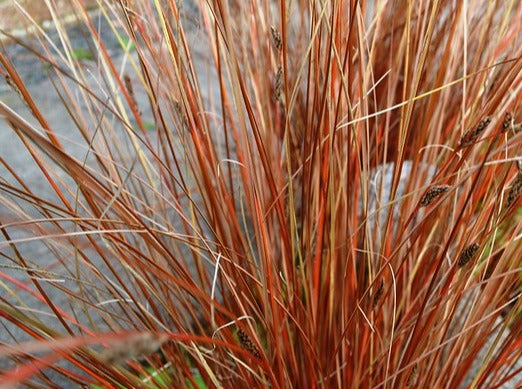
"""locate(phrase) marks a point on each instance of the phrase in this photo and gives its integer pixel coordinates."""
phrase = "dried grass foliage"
(226, 217)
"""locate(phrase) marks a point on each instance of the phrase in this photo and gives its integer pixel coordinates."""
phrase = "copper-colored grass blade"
(255, 194)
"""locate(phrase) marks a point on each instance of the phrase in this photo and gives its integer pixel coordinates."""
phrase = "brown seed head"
(515, 190)
(276, 38)
(471, 136)
(467, 254)
(432, 194)
(247, 344)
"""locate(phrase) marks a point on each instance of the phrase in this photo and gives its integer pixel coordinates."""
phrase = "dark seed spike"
(247, 344)
(471, 136)
(515, 191)
(276, 38)
(467, 254)
(432, 194)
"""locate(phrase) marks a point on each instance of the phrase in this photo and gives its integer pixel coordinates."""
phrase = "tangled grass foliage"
(259, 193)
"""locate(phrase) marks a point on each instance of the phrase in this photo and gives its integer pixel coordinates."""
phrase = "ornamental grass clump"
(262, 194)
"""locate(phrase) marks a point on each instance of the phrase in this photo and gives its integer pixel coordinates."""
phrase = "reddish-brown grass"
(228, 219)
